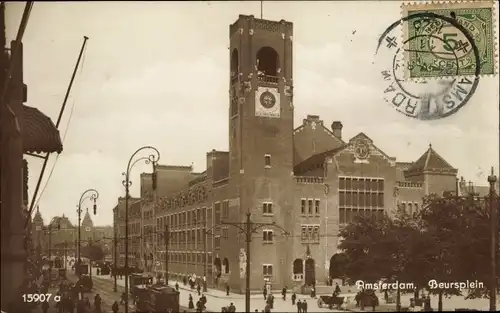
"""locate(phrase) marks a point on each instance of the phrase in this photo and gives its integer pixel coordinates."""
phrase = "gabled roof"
(430, 160)
(315, 159)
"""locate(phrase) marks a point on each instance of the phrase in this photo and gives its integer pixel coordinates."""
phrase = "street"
(217, 299)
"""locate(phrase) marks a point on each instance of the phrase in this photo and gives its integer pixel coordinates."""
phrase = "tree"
(94, 252)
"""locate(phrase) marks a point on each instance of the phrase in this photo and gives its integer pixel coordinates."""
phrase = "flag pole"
(261, 5)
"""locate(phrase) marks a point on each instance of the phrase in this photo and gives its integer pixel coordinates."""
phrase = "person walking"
(97, 303)
(176, 286)
(283, 293)
(299, 306)
(264, 292)
(304, 306)
(337, 289)
(190, 302)
(294, 297)
(115, 307)
(227, 289)
(198, 288)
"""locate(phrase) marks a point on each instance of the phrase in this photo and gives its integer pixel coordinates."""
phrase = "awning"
(39, 132)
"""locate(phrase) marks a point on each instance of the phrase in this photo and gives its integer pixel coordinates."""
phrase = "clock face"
(362, 150)
(267, 99)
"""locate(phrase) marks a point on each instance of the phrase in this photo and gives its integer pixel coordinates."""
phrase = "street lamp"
(93, 195)
(153, 159)
(248, 228)
(115, 245)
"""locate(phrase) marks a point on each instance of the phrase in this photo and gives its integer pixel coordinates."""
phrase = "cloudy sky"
(157, 74)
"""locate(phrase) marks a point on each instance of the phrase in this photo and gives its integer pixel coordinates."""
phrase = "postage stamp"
(441, 50)
(423, 98)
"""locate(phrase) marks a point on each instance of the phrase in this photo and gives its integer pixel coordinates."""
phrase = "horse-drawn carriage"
(349, 301)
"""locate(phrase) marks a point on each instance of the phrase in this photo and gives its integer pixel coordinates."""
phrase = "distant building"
(64, 235)
(309, 180)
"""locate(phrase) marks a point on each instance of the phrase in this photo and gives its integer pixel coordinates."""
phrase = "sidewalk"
(217, 299)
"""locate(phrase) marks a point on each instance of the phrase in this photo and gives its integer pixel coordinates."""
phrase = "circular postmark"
(448, 45)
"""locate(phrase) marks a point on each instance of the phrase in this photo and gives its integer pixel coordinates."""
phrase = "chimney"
(337, 129)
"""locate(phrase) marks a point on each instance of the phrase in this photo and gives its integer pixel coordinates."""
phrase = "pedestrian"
(294, 297)
(199, 307)
(98, 272)
(203, 301)
(337, 289)
(45, 306)
(232, 308)
(115, 307)
(177, 286)
(313, 292)
(123, 297)
(227, 289)
(264, 292)
(283, 293)
(299, 307)
(304, 306)
(190, 303)
(198, 289)
(267, 308)
(97, 303)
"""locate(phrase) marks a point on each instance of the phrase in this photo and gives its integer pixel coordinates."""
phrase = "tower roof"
(61, 221)
(430, 160)
(38, 219)
(87, 220)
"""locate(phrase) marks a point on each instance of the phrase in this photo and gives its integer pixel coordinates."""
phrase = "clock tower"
(261, 132)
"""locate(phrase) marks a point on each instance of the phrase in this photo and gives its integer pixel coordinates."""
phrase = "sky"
(157, 74)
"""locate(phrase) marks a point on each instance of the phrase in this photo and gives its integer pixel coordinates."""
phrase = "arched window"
(218, 266)
(234, 63)
(268, 62)
(298, 266)
(226, 266)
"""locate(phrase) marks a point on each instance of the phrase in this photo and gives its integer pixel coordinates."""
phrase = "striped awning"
(39, 132)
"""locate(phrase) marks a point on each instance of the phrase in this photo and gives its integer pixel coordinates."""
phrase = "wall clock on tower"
(267, 102)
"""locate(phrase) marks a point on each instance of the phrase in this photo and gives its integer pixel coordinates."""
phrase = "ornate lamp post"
(93, 195)
(153, 159)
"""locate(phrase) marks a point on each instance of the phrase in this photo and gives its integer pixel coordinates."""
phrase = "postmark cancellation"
(436, 48)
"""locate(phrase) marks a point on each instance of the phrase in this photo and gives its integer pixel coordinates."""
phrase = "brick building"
(64, 234)
(309, 180)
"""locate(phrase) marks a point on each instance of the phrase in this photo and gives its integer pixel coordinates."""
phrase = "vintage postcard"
(250, 156)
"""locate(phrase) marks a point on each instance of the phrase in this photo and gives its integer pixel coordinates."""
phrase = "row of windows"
(410, 207)
(148, 215)
(364, 184)
(191, 217)
(347, 215)
(374, 199)
(183, 257)
(310, 233)
(309, 206)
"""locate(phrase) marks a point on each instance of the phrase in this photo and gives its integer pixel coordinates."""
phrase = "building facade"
(62, 236)
(308, 181)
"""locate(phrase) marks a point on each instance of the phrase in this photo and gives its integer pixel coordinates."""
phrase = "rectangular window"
(217, 212)
(217, 242)
(267, 236)
(225, 209)
(380, 185)
(303, 206)
(304, 235)
(316, 206)
(348, 198)
(267, 208)
(342, 183)
(310, 206)
(342, 215)
(380, 203)
(416, 207)
(348, 216)
(267, 160)
(315, 234)
(354, 184)
(355, 198)
(341, 198)
(348, 183)
(267, 270)
(225, 233)
(410, 208)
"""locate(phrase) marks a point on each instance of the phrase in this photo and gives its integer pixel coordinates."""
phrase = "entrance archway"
(310, 272)
(337, 265)
(218, 267)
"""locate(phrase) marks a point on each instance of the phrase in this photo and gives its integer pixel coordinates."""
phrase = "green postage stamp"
(437, 48)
